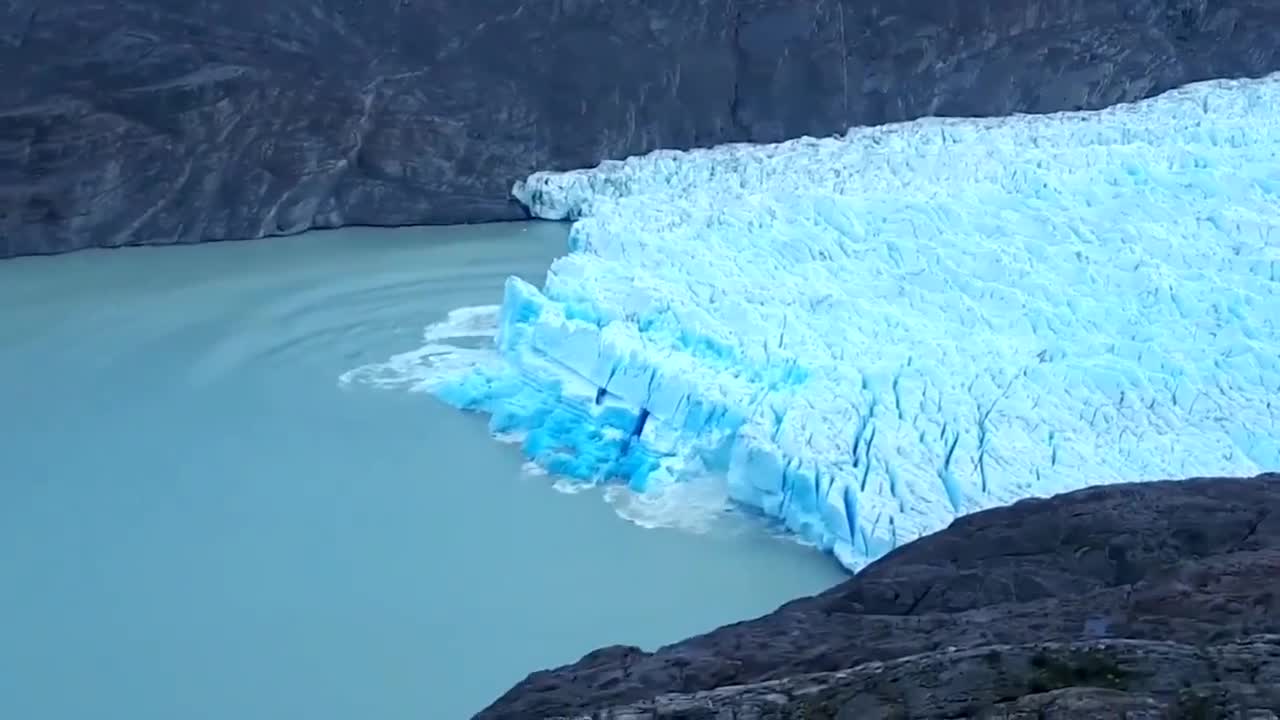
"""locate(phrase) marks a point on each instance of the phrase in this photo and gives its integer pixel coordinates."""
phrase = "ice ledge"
(871, 335)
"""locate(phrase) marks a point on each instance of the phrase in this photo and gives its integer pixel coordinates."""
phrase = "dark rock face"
(1156, 599)
(1102, 679)
(160, 121)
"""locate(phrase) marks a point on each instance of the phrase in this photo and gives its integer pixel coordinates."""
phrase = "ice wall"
(873, 334)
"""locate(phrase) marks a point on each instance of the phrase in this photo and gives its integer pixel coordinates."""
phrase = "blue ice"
(871, 335)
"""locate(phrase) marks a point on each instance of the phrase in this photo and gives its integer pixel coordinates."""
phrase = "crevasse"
(873, 334)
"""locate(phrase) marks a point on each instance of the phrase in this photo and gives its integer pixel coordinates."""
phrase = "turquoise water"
(198, 521)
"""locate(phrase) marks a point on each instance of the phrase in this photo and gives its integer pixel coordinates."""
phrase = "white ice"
(868, 336)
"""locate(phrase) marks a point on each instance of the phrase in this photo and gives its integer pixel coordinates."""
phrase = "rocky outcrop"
(1096, 680)
(1152, 600)
(160, 121)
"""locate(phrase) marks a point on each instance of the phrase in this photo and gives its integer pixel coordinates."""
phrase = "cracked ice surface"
(871, 335)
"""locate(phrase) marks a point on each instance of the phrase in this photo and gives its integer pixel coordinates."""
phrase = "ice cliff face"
(874, 334)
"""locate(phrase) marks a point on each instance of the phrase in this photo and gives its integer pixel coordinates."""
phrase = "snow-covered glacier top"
(870, 335)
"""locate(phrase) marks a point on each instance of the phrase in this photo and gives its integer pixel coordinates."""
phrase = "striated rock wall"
(164, 121)
(1160, 600)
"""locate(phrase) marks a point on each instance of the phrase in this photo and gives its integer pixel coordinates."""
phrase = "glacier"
(867, 336)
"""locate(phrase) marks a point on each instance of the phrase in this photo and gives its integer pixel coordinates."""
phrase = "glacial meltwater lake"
(199, 522)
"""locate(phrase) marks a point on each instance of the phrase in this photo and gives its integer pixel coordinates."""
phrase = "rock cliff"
(165, 121)
(1154, 600)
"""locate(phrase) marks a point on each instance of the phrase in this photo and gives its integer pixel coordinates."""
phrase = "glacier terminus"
(870, 335)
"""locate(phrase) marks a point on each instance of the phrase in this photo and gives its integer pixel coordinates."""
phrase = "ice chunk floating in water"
(871, 335)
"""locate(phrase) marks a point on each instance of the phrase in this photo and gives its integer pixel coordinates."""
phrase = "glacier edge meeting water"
(868, 336)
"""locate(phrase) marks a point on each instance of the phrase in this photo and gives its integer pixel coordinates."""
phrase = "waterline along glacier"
(864, 337)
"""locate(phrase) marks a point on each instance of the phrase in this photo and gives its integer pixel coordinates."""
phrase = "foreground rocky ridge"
(1153, 600)
(150, 121)
(1128, 679)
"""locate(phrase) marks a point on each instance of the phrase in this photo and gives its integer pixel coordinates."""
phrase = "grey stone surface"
(1151, 600)
(1093, 680)
(164, 121)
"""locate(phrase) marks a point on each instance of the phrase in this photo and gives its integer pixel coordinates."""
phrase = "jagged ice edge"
(637, 362)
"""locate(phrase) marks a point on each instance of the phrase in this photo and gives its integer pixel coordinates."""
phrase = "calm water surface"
(198, 522)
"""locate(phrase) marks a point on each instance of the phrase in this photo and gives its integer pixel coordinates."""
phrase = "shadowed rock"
(150, 121)
(1120, 679)
(1154, 598)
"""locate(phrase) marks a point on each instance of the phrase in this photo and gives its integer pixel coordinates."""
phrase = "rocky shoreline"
(1150, 600)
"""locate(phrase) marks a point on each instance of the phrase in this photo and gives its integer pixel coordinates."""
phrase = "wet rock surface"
(1151, 600)
(141, 121)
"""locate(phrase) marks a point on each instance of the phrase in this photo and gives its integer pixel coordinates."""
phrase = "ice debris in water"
(871, 335)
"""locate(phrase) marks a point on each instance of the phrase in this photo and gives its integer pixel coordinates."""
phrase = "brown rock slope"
(1153, 600)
